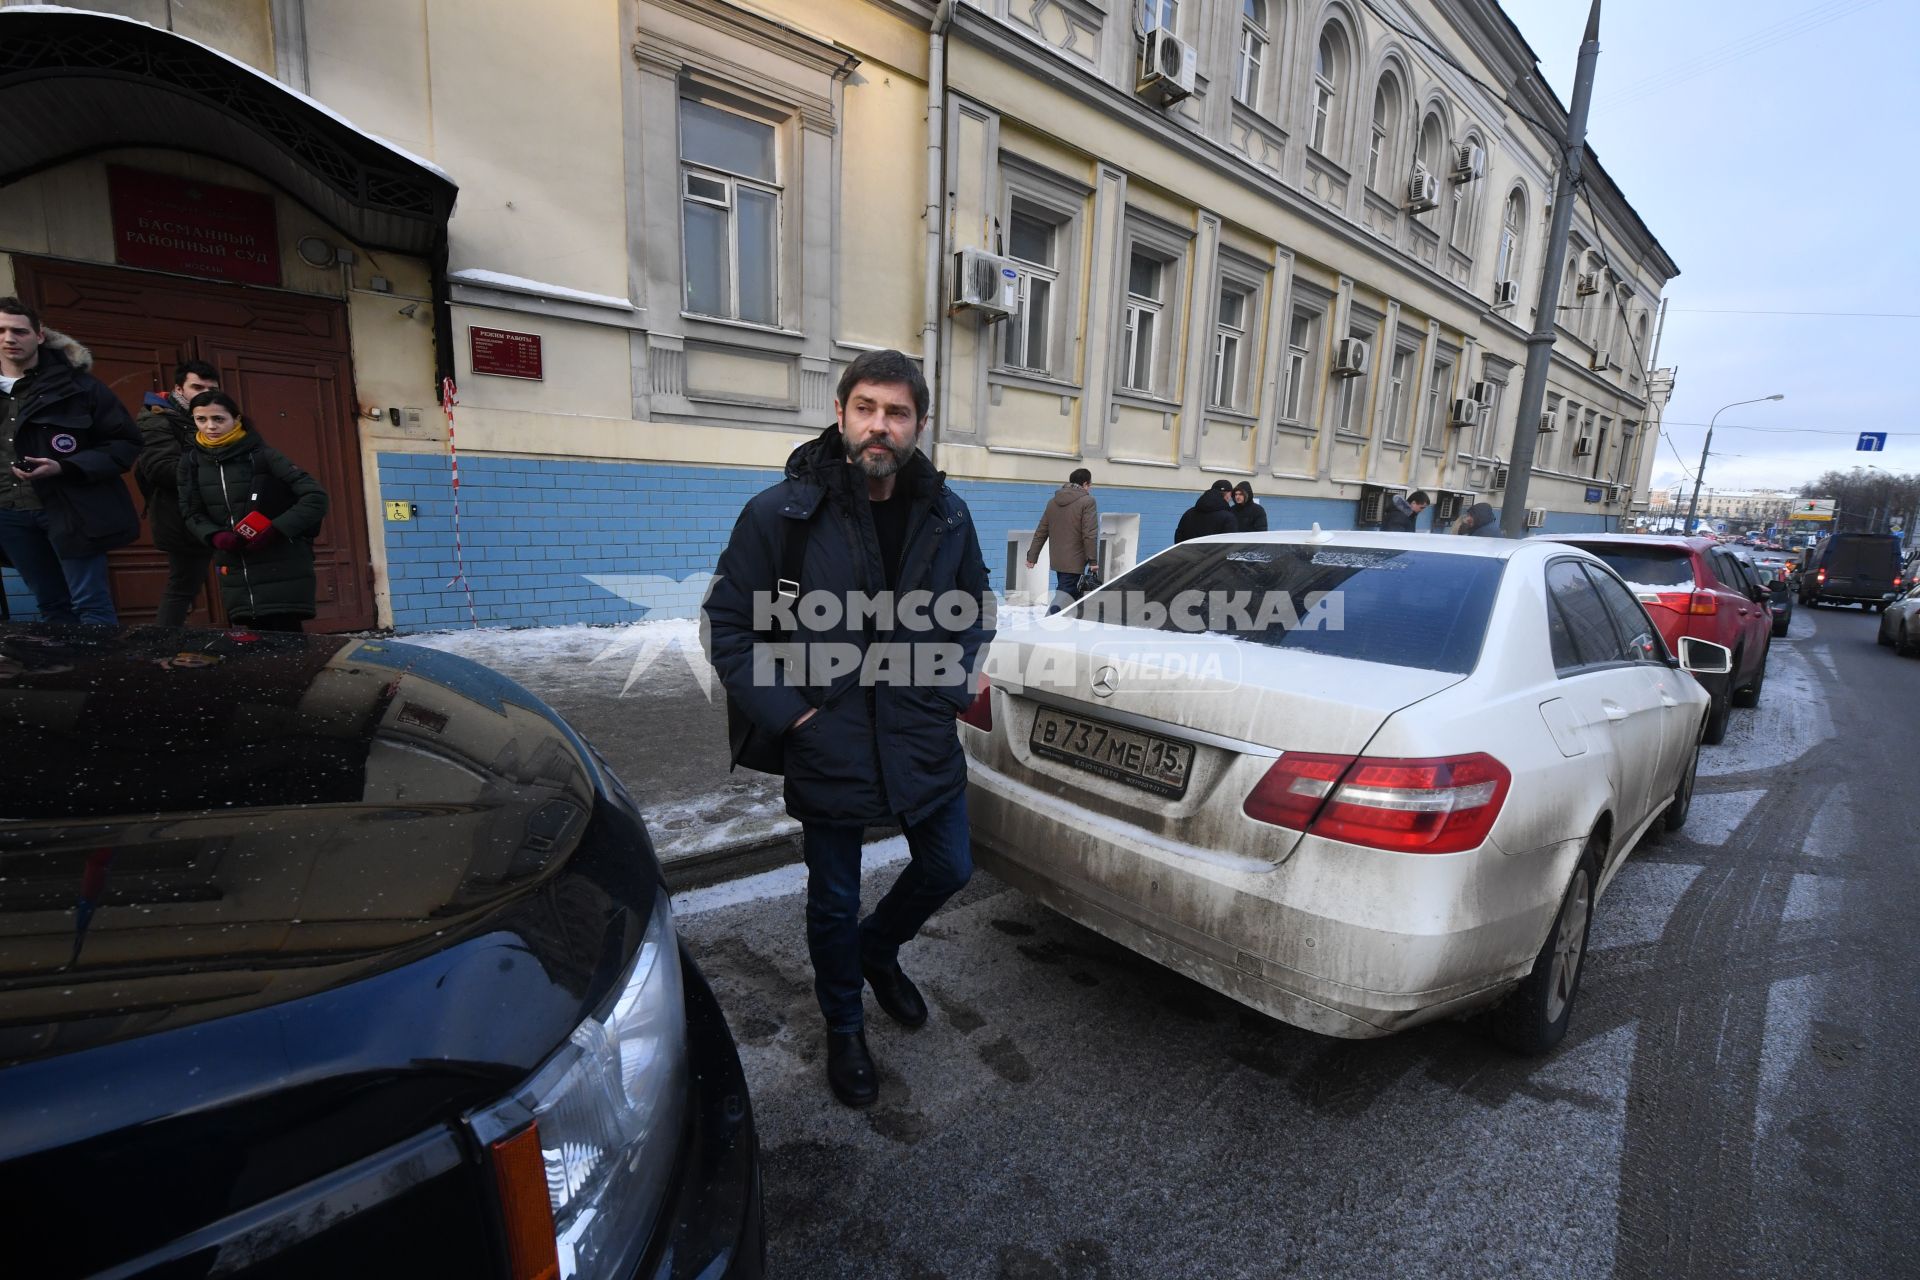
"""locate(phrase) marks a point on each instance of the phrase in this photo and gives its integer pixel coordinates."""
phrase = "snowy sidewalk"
(636, 692)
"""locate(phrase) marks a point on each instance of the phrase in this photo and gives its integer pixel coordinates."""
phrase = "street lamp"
(1694, 506)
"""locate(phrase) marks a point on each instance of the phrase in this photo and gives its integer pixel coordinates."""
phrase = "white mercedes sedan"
(1357, 781)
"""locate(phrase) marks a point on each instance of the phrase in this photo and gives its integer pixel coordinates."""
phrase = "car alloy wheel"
(1534, 1016)
(1570, 945)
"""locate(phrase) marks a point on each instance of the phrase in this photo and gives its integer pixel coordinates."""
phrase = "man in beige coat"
(1071, 523)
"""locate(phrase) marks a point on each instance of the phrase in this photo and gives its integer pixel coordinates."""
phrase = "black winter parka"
(67, 414)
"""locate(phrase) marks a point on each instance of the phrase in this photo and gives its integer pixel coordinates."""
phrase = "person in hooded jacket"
(1070, 528)
(1248, 514)
(1210, 513)
(1402, 514)
(257, 510)
(1480, 521)
(166, 430)
(861, 512)
(65, 441)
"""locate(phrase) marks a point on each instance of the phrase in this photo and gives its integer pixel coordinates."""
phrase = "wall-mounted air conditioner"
(1536, 517)
(1373, 504)
(1482, 393)
(1583, 446)
(1465, 413)
(1168, 67)
(1469, 162)
(1613, 493)
(1506, 293)
(1587, 282)
(986, 283)
(1423, 193)
(1499, 477)
(1549, 422)
(1349, 358)
(1602, 360)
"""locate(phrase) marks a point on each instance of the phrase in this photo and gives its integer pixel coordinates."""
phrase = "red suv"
(1696, 587)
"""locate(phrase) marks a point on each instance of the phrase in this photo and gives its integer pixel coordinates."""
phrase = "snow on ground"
(1791, 720)
(652, 655)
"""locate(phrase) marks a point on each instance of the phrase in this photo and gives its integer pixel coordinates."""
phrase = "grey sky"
(1778, 178)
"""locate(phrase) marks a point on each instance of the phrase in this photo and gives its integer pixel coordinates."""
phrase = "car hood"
(325, 891)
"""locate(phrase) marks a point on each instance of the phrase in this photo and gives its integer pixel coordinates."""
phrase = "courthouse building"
(1292, 242)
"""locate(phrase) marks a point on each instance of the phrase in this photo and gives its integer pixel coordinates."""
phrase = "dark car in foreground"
(341, 957)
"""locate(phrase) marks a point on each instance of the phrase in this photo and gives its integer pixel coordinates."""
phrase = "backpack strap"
(793, 556)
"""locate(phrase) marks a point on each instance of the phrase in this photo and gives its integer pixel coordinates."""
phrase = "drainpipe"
(935, 212)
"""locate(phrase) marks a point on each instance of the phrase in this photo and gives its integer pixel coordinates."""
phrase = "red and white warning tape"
(448, 399)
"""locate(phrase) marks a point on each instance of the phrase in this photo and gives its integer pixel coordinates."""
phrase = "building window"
(1253, 51)
(1348, 404)
(1600, 445)
(1230, 348)
(1432, 156)
(1640, 353)
(1439, 411)
(1033, 242)
(1400, 391)
(1141, 327)
(1466, 208)
(1566, 419)
(1386, 119)
(1303, 338)
(1160, 15)
(1513, 237)
(1329, 67)
(730, 208)
(1487, 434)
(1569, 297)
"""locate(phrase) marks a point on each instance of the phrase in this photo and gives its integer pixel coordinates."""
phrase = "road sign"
(1813, 509)
(1872, 442)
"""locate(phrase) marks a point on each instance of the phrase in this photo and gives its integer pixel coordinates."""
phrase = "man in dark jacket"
(1401, 514)
(866, 721)
(1070, 528)
(1211, 513)
(1481, 521)
(65, 441)
(1248, 515)
(165, 429)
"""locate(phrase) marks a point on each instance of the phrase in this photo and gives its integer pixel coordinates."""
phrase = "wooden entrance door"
(285, 357)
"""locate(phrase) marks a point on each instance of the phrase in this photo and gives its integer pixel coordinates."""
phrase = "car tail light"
(1678, 601)
(1704, 602)
(520, 1176)
(1443, 805)
(1820, 576)
(979, 712)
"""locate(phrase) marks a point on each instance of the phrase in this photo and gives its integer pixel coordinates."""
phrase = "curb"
(735, 862)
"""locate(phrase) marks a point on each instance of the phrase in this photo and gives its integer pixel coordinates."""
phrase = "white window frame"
(1141, 330)
(1513, 237)
(1466, 205)
(1060, 203)
(1348, 404)
(1439, 401)
(731, 185)
(1302, 369)
(1403, 366)
(1250, 59)
(1326, 88)
(1160, 15)
(1229, 384)
(1430, 152)
(1487, 434)
(1033, 276)
(1380, 166)
(1169, 245)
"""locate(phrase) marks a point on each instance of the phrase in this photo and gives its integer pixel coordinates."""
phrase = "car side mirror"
(1704, 657)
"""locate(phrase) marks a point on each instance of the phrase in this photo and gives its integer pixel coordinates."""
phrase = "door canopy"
(75, 83)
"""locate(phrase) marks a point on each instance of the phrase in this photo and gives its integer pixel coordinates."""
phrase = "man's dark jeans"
(838, 939)
(186, 578)
(66, 590)
(1066, 589)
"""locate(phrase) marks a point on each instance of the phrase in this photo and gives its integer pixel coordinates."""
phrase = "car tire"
(1675, 816)
(1781, 623)
(1717, 712)
(1907, 647)
(1881, 637)
(1534, 1016)
(1750, 696)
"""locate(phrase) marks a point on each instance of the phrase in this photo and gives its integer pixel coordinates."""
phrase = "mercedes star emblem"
(1105, 681)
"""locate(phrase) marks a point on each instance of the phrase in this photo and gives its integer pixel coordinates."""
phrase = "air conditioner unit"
(1613, 493)
(1587, 282)
(1536, 517)
(1583, 446)
(1499, 477)
(1447, 508)
(1168, 67)
(987, 283)
(1373, 504)
(1465, 413)
(1603, 360)
(1506, 293)
(1482, 393)
(1549, 422)
(1423, 193)
(1469, 162)
(1349, 358)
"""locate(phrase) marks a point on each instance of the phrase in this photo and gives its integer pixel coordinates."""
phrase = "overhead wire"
(1734, 50)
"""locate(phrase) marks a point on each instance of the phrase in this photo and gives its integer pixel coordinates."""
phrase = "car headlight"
(605, 1114)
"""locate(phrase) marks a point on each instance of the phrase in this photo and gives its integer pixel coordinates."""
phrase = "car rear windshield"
(1649, 568)
(1421, 609)
(1862, 556)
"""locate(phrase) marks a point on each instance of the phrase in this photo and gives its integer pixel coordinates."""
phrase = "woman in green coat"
(257, 510)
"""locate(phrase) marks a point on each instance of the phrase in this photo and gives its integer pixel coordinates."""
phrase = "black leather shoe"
(850, 1068)
(896, 993)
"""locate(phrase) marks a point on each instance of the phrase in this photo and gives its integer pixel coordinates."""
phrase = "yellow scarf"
(232, 437)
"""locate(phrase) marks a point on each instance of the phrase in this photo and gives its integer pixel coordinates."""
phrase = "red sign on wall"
(504, 353)
(167, 223)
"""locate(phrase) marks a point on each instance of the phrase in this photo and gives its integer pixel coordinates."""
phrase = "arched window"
(1329, 76)
(1513, 237)
(1380, 140)
(1466, 203)
(1432, 155)
(1253, 51)
(1641, 353)
(1568, 317)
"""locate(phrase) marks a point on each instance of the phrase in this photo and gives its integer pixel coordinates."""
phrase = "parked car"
(1694, 587)
(340, 957)
(1853, 568)
(1900, 624)
(1778, 573)
(1404, 814)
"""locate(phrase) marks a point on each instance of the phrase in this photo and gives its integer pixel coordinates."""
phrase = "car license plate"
(1159, 765)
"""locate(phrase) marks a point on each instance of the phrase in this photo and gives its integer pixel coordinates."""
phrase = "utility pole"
(1533, 388)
